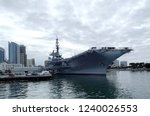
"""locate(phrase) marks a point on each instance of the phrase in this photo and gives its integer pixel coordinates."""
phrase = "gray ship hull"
(94, 61)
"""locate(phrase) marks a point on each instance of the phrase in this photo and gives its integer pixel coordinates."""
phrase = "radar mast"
(57, 46)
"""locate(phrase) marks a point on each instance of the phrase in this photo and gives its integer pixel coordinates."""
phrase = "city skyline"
(79, 25)
(16, 55)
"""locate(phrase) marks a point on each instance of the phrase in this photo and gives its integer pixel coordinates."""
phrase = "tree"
(147, 65)
(133, 65)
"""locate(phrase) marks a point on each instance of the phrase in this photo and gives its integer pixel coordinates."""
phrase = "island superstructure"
(92, 61)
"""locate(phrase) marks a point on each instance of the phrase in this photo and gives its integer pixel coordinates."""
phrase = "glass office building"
(14, 53)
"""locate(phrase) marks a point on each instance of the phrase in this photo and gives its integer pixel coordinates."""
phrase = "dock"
(6, 78)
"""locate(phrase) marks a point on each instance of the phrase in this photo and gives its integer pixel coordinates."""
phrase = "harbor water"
(115, 85)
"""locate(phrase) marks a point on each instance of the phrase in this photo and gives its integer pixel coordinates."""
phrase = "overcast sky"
(79, 25)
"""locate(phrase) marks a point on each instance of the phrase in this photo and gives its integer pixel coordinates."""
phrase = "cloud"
(79, 25)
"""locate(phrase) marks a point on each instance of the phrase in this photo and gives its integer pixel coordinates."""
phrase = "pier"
(27, 78)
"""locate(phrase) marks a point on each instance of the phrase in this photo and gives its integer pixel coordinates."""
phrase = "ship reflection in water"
(117, 84)
(85, 86)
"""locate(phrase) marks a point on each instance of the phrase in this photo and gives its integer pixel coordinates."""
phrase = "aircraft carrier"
(92, 61)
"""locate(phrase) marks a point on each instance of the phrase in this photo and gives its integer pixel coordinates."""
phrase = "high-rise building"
(31, 62)
(14, 53)
(23, 55)
(18, 54)
(2, 55)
